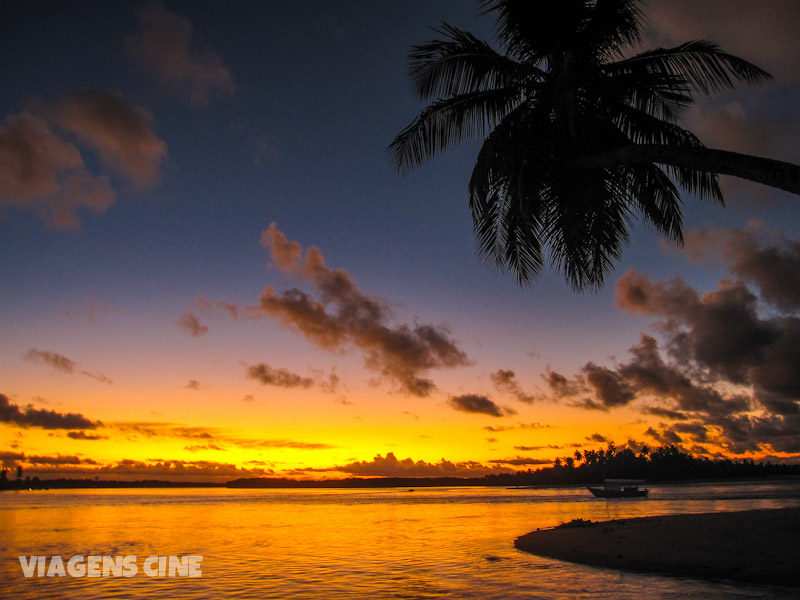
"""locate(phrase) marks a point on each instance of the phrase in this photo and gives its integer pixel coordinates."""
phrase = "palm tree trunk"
(774, 173)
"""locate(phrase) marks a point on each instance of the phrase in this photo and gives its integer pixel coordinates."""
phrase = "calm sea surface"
(454, 543)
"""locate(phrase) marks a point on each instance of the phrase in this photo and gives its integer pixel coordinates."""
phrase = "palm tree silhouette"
(578, 137)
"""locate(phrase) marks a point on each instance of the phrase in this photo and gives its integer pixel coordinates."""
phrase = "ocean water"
(430, 543)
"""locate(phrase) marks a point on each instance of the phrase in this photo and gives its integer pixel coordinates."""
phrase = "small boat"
(620, 488)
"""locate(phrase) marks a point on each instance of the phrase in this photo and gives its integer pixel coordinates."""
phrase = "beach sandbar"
(758, 546)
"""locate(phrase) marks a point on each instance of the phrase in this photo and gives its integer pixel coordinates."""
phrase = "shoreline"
(754, 546)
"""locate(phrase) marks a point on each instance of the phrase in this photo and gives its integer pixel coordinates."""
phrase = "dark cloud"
(82, 435)
(664, 436)
(131, 470)
(29, 416)
(772, 266)
(280, 443)
(724, 336)
(191, 324)
(474, 403)
(596, 437)
(497, 428)
(664, 413)
(505, 381)
(520, 461)
(344, 315)
(266, 375)
(165, 47)
(193, 384)
(200, 447)
(727, 377)
(8, 458)
(609, 387)
(160, 429)
(562, 386)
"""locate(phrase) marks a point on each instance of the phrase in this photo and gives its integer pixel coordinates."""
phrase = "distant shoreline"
(754, 546)
(349, 483)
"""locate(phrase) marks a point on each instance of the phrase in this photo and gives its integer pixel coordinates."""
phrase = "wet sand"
(758, 546)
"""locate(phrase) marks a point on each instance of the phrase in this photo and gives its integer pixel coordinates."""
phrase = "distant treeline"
(34, 483)
(667, 463)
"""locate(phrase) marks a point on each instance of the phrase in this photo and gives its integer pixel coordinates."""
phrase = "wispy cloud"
(477, 404)
(165, 47)
(499, 428)
(345, 316)
(520, 461)
(62, 363)
(82, 435)
(209, 435)
(190, 323)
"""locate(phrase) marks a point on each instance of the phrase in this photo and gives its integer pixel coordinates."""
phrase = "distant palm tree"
(577, 136)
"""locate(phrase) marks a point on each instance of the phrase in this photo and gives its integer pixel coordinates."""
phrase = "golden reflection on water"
(427, 543)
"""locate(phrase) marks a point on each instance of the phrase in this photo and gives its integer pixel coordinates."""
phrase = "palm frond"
(613, 25)
(462, 64)
(656, 198)
(504, 199)
(447, 122)
(700, 62)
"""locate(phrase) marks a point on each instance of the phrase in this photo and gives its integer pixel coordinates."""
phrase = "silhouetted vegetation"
(667, 463)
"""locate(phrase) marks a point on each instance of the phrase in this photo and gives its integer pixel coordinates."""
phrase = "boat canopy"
(624, 481)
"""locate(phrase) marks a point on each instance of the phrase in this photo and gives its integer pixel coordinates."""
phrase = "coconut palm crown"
(579, 134)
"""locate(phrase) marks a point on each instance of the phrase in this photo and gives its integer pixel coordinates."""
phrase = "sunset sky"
(211, 269)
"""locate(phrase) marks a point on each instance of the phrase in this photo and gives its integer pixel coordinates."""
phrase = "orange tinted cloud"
(121, 134)
(42, 173)
(164, 47)
(391, 466)
(191, 324)
(345, 316)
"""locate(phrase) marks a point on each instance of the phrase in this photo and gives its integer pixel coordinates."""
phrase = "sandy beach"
(758, 546)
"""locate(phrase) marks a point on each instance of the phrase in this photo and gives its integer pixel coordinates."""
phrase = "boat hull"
(620, 493)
